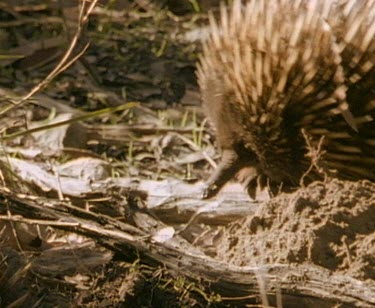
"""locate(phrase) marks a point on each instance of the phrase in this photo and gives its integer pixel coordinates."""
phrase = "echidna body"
(274, 74)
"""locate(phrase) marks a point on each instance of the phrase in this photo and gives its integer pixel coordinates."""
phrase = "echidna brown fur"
(274, 74)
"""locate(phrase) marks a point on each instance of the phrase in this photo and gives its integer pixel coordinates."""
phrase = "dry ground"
(141, 52)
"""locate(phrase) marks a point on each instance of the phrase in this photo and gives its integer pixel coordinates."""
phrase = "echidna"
(274, 74)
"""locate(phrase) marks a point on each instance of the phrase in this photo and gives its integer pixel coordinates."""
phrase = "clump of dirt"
(328, 224)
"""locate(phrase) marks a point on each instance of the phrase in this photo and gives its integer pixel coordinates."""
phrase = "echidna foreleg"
(229, 165)
(251, 180)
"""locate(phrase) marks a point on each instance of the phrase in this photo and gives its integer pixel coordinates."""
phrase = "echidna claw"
(210, 191)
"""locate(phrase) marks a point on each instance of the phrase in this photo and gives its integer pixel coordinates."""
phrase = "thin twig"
(72, 120)
(40, 222)
(315, 154)
(65, 62)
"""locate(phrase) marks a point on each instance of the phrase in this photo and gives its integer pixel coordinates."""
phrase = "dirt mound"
(328, 224)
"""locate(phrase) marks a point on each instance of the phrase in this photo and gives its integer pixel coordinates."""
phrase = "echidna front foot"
(228, 167)
(255, 183)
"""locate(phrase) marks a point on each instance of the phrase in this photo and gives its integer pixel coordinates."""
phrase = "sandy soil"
(328, 224)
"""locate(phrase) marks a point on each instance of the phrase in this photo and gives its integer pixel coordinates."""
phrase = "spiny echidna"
(274, 74)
